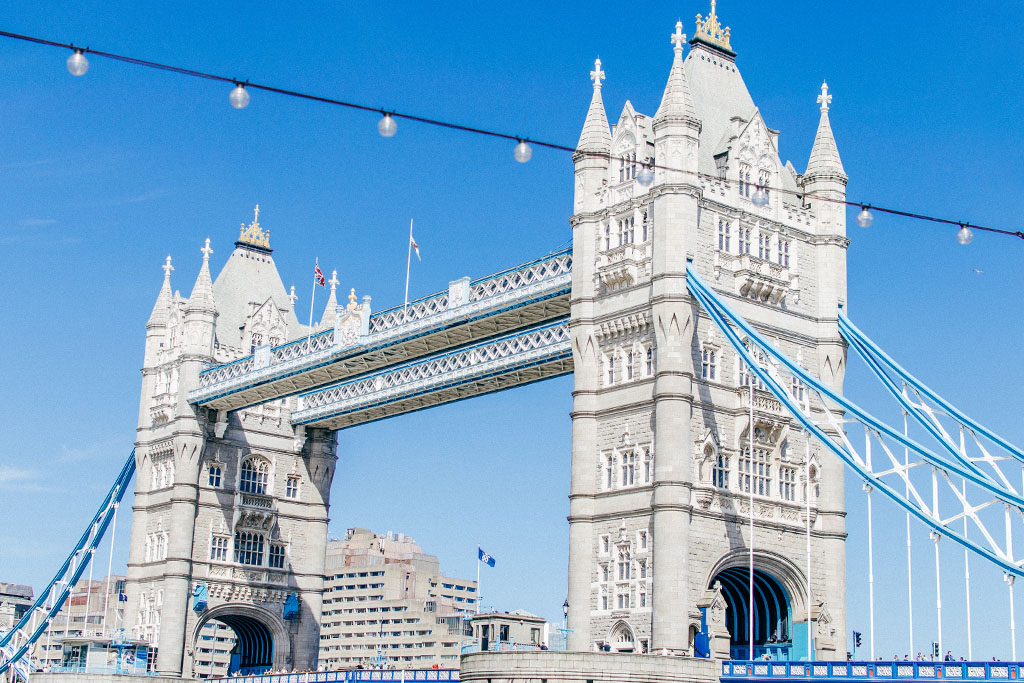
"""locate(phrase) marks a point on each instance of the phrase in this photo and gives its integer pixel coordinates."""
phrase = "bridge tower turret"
(665, 453)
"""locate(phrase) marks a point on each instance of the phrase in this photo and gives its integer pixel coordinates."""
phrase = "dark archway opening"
(773, 614)
(253, 652)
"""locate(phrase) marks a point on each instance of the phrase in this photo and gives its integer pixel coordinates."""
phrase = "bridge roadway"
(469, 312)
(789, 672)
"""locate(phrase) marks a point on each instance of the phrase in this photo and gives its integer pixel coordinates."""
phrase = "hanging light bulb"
(387, 126)
(522, 152)
(964, 235)
(864, 218)
(239, 97)
(646, 176)
(760, 198)
(77, 63)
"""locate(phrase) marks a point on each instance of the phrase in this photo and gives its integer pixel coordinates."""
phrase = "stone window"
(650, 362)
(291, 487)
(764, 246)
(276, 556)
(629, 365)
(643, 601)
(642, 538)
(798, 390)
(764, 178)
(628, 468)
(611, 369)
(624, 564)
(627, 166)
(642, 566)
(644, 232)
(648, 465)
(605, 572)
(744, 180)
(254, 475)
(219, 549)
(257, 340)
(609, 471)
(784, 253)
(720, 472)
(215, 476)
(622, 596)
(724, 236)
(248, 548)
(755, 472)
(605, 544)
(744, 240)
(709, 363)
(604, 599)
(607, 237)
(787, 482)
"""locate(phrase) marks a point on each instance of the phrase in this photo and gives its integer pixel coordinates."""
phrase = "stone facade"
(584, 667)
(661, 416)
(233, 502)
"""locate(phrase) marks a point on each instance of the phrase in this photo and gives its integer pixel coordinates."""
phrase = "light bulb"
(77, 63)
(646, 176)
(964, 235)
(522, 152)
(387, 126)
(864, 218)
(239, 97)
(760, 198)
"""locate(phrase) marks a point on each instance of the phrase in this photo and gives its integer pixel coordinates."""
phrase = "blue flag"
(484, 557)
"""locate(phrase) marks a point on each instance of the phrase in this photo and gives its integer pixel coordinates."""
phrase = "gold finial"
(254, 234)
(711, 31)
(352, 300)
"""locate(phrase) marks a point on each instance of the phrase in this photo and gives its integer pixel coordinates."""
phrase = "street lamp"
(565, 630)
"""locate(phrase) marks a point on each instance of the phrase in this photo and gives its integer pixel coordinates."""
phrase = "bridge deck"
(737, 671)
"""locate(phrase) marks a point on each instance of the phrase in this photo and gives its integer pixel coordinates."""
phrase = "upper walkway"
(468, 311)
(350, 676)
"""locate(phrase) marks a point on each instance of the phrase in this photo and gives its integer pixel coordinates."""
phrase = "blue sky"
(105, 175)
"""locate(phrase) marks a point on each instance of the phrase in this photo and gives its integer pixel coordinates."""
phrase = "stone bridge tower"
(663, 455)
(230, 511)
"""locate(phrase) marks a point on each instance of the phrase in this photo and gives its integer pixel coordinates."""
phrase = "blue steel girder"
(523, 357)
(529, 294)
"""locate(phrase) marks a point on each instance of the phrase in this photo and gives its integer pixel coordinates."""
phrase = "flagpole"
(408, 265)
(309, 332)
(478, 578)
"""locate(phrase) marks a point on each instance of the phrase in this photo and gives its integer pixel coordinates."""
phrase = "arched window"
(628, 468)
(248, 548)
(254, 475)
(215, 474)
(609, 472)
(648, 465)
(650, 362)
(624, 564)
(629, 365)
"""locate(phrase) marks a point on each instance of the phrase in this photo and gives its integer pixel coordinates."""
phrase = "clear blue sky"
(105, 175)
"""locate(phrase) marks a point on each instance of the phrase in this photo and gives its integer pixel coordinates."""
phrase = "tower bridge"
(699, 311)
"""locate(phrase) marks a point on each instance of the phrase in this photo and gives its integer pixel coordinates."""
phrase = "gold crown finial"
(352, 300)
(254, 234)
(711, 31)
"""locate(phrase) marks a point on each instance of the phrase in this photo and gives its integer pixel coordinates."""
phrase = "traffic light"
(856, 639)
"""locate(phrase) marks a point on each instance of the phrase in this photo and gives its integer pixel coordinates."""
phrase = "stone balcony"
(758, 278)
(620, 266)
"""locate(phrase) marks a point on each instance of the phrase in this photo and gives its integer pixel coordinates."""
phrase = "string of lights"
(387, 126)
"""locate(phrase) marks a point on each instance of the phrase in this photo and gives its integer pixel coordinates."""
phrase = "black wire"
(483, 131)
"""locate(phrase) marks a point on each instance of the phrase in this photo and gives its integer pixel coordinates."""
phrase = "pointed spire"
(596, 136)
(331, 311)
(824, 154)
(202, 292)
(677, 100)
(163, 299)
(293, 297)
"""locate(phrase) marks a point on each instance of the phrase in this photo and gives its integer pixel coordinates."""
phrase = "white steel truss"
(513, 360)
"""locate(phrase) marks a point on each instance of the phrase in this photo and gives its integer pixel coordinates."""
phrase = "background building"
(384, 597)
(15, 599)
(498, 631)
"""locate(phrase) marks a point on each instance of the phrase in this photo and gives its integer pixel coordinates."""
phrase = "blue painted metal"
(849, 330)
(719, 312)
(743, 671)
(291, 607)
(12, 657)
(352, 676)
(200, 597)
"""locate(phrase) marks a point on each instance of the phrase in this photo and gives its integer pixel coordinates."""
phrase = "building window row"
(627, 229)
(162, 474)
(156, 546)
(770, 245)
(633, 467)
(627, 364)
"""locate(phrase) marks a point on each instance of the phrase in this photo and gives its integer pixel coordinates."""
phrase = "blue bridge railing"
(351, 676)
(903, 670)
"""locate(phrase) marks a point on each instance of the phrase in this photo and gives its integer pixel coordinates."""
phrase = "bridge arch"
(779, 598)
(261, 637)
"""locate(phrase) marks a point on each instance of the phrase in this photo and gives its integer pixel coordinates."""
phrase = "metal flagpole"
(1009, 578)
(871, 556)
(910, 579)
(807, 505)
(967, 564)
(478, 594)
(309, 332)
(110, 563)
(405, 305)
(936, 537)
(750, 488)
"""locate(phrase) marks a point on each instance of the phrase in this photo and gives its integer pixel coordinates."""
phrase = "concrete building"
(501, 631)
(386, 601)
(15, 599)
(664, 452)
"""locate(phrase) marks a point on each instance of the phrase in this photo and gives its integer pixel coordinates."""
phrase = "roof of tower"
(677, 101)
(163, 300)
(596, 136)
(202, 296)
(719, 93)
(248, 280)
(824, 152)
